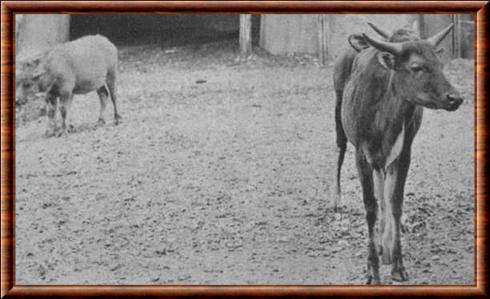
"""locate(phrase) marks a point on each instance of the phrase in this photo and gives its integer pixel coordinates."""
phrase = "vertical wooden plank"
(245, 35)
(263, 24)
(454, 36)
(457, 35)
(421, 26)
(326, 30)
(322, 39)
(19, 18)
(467, 35)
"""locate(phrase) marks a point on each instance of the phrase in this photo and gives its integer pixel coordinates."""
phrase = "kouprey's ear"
(440, 51)
(38, 72)
(36, 61)
(358, 42)
(32, 63)
(386, 60)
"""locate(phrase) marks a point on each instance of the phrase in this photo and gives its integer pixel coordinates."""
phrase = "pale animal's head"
(27, 79)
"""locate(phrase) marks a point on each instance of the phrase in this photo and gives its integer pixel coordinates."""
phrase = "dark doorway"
(163, 29)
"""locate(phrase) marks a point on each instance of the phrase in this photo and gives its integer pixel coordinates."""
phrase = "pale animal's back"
(87, 61)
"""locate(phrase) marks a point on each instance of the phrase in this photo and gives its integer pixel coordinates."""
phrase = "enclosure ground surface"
(221, 173)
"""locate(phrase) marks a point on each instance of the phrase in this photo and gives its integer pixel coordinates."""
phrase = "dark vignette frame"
(7, 111)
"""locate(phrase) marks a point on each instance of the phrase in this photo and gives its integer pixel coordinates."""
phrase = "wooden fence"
(324, 35)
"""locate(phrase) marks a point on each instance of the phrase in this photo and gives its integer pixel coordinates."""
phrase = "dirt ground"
(221, 173)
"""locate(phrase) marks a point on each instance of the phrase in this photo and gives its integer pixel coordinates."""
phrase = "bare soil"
(221, 173)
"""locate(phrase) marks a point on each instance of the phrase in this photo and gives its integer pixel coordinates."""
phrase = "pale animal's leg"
(51, 107)
(111, 85)
(65, 103)
(103, 94)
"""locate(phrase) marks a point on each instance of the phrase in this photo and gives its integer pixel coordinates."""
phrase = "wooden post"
(245, 38)
(421, 26)
(18, 25)
(322, 39)
(39, 32)
(456, 37)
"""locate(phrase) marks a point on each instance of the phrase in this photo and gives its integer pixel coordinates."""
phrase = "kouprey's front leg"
(366, 178)
(395, 185)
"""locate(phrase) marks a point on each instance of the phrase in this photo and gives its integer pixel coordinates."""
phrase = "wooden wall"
(285, 34)
(37, 32)
(460, 42)
(278, 34)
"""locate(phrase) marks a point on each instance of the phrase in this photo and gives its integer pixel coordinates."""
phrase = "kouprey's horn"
(379, 31)
(435, 40)
(393, 48)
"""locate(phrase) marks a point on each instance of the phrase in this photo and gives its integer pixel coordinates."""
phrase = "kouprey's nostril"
(454, 101)
(454, 98)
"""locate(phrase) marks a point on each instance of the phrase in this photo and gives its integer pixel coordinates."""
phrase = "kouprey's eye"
(416, 68)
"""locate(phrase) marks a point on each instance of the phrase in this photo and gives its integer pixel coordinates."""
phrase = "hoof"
(372, 280)
(117, 120)
(338, 209)
(403, 229)
(399, 275)
(51, 130)
(100, 122)
(49, 133)
(337, 199)
(62, 133)
(338, 214)
(386, 258)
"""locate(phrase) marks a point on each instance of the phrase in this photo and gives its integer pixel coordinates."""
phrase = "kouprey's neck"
(391, 119)
(395, 104)
(46, 82)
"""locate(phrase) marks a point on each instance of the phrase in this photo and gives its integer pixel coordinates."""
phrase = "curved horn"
(379, 31)
(435, 40)
(393, 48)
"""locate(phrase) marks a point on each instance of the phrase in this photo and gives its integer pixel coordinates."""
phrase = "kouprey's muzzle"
(453, 101)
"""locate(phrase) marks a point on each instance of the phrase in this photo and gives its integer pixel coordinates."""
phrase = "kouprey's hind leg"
(341, 139)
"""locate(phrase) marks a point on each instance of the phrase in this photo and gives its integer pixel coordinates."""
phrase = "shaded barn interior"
(163, 29)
